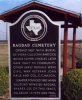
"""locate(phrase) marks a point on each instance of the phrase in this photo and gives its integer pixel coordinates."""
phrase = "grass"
(3, 74)
(3, 80)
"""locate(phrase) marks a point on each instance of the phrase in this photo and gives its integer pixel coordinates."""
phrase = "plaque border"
(9, 57)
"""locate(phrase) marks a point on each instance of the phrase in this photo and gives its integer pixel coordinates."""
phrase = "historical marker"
(34, 57)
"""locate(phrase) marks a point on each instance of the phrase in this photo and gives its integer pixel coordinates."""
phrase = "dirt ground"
(3, 53)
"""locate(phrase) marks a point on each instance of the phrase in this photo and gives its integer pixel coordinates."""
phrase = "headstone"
(34, 57)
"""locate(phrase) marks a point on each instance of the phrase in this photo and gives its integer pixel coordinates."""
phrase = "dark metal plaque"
(34, 57)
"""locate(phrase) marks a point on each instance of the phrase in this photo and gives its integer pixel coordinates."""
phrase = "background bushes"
(3, 80)
(72, 85)
(79, 63)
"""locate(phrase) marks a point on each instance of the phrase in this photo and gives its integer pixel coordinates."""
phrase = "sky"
(73, 5)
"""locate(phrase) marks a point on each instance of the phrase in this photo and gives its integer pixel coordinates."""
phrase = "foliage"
(3, 80)
(79, 63)
(72, 85)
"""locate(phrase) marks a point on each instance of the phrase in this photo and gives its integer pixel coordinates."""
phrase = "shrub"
(3, 80)
(72, 85)
(79, 63)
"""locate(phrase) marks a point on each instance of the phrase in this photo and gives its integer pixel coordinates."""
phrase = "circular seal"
(34, 27)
